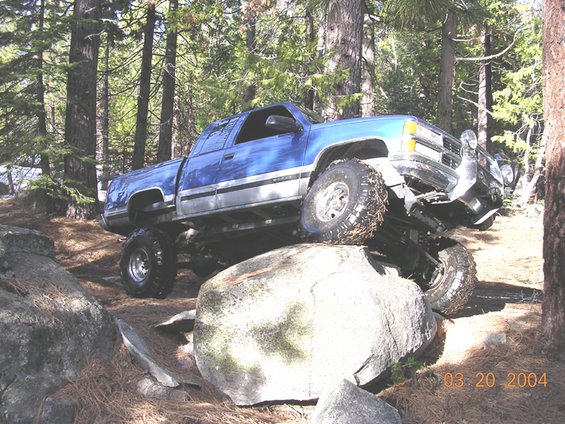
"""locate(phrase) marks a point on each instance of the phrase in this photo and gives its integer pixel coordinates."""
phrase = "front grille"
(452, 146)
(450, 160)
(452, 157)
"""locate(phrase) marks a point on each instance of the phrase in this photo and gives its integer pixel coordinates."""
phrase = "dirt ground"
(488, 366)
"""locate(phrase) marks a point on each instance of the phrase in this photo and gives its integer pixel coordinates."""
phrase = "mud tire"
(452, 287)
(148, 265)
(345, 205)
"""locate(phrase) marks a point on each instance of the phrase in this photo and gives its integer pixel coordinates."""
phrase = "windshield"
(313, 117)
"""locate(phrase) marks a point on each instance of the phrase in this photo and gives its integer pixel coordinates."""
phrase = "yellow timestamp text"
(489, 380)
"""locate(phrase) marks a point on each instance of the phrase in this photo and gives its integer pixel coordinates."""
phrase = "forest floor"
(487, 366)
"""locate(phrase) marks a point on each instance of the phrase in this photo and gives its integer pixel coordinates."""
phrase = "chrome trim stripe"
(186, 197)
(116, 211)
(261, 177)
(247, 206)
(246, 183)
(260, 183)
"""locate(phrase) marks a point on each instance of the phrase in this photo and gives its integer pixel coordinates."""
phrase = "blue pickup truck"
(394, 183)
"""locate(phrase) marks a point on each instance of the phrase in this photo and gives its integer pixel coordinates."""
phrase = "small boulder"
(151, 389)
(139, 350)
(50, 327)
(289, 323)
(58, 411)
(347, 403)
(182, 322)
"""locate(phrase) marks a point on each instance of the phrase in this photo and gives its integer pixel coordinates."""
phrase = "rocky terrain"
(466, 376)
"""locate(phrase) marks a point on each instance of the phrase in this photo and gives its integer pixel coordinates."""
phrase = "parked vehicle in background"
(279, 173)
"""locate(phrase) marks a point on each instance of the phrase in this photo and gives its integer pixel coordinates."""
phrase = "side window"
(254, 126)
(216, 137)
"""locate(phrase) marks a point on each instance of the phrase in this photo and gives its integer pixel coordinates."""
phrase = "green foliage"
(407, 66)
(215, 68)
(405, 369)
(519, 100)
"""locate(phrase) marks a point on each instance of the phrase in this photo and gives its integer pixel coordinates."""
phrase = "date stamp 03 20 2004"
(489, 380)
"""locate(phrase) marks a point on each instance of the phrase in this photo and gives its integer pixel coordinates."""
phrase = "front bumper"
(467, 184)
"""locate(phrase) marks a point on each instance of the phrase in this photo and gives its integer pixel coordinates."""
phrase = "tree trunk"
(344, 39)
(485, 92)
(105, 150)
(80, 119)
(41, 113)
(447, 70)
(553, 317)
(538, 168)
(166, 126)
(251, 45)
(526, 177)
(310, 38)
(11, 188)
(138, 159)
(368, 70)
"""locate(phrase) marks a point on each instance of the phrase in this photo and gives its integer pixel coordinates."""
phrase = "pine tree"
(80, 122)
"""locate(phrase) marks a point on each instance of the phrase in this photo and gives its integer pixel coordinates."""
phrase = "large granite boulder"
(292, 322)
(49, 325)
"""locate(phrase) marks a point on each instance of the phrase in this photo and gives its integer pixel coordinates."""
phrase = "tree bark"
(80, 120)
(251, 46)
(41, 113)
(11, 188)
(368, 70)
(166, 126)
(527, 150)
(105, 150)
(447, 70)
(138, 159)
(344, 39)
(310, 38)
(485, 93)
(553, 316)
(538, 168)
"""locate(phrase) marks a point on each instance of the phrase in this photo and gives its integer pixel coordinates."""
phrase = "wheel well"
(142, 199)
(366, 149)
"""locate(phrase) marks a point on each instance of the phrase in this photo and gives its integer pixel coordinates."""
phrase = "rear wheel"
(454, 279)
(345, 205)
(148, 263)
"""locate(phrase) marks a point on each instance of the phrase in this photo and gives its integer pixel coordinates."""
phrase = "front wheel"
(148, 263)
(345, 205)
(454, 279)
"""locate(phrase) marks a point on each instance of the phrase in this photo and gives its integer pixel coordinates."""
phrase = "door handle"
(229, 156)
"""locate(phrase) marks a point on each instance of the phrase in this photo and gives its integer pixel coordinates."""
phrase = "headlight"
(420, 139)
(469, 139)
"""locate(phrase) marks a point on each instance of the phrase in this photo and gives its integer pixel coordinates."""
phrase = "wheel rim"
(139, 265)
(441, 272)
(437, 276)
(332, 201)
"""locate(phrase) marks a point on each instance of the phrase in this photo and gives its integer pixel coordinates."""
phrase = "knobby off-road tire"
(345, 205)
(453, 283)
(148, 264)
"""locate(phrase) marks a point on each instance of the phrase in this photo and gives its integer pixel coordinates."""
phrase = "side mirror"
(282, 124)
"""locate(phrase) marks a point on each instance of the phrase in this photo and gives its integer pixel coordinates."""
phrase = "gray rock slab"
(148, 388)
(289, 323)
(139, 350)
(58, 411)
(349, 404)
(24, 240)
(180, 323)
(49, 326)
